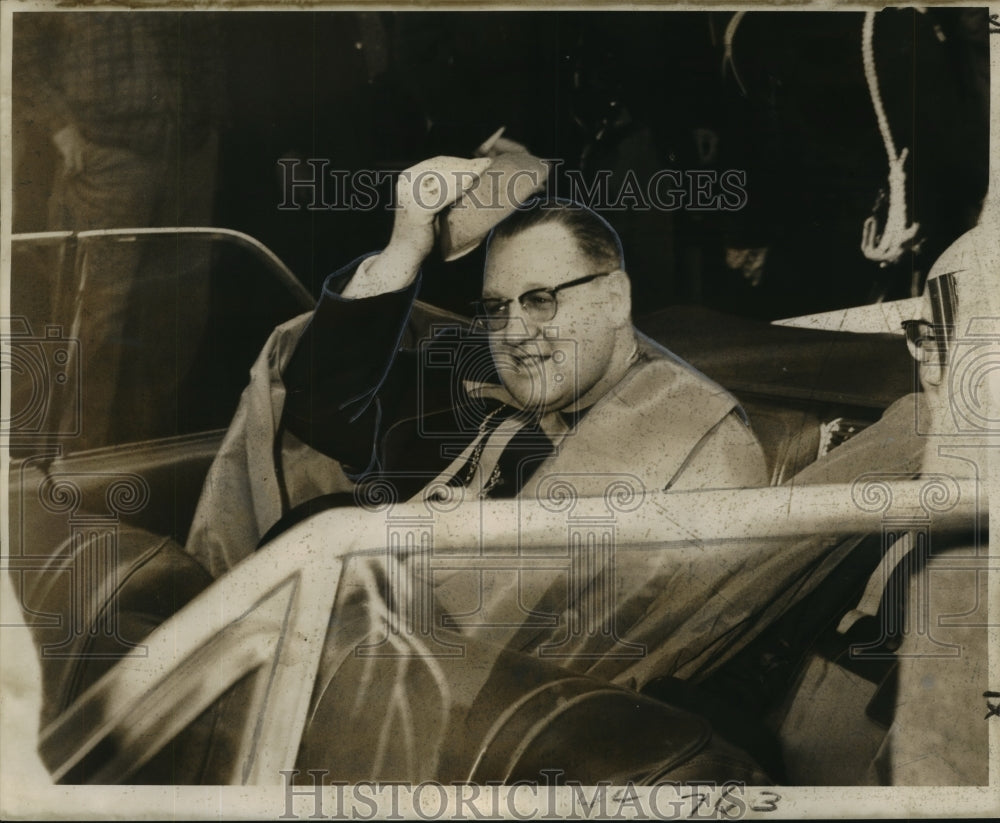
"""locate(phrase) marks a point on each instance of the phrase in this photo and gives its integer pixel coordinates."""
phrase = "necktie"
(477, 467)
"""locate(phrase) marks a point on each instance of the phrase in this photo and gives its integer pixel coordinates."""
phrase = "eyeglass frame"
(921, 334)
(484, 318)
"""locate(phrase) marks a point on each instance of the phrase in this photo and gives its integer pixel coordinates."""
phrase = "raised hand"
(422, 192)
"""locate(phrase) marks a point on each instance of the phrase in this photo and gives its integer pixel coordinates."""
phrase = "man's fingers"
(71, 148)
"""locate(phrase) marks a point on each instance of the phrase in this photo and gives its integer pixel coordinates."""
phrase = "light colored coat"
(664, 425)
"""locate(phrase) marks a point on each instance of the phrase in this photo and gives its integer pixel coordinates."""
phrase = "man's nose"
(519, 326)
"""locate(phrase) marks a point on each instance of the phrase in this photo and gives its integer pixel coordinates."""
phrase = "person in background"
(131, 103)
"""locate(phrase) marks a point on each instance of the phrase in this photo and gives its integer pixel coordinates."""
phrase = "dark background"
(601, 91)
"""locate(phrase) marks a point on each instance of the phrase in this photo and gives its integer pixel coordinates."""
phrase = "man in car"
(568, 385)
(933, 638)
(945, 699)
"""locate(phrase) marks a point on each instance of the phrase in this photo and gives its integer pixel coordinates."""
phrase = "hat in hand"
(512, 178)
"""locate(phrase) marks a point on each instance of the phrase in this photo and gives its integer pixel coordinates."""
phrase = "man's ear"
(932, 368)
(620, 297)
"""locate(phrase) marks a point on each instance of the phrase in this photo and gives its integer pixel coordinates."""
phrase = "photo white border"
(232, 803)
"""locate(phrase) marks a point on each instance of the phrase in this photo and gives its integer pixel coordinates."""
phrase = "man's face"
(929, 347)
(548, 365)
(960, 394)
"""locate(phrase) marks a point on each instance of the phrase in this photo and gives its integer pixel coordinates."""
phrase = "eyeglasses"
(918, 332)
(924, 338)
(539, 305)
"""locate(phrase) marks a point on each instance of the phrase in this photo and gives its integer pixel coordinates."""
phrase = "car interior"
(118, 554)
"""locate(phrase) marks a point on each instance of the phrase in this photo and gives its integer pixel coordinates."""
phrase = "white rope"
(727, 56)
(887, 246)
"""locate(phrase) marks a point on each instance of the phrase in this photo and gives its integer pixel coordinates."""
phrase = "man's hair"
(593, 233)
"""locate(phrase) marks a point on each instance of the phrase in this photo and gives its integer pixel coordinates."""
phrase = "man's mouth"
(528, 359)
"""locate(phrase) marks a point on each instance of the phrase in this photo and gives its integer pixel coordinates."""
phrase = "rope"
(887, 246)
(727, 56)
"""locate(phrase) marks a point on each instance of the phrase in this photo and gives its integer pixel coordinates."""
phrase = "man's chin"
(532, 395)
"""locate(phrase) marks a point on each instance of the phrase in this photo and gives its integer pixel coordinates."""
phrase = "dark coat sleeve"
(339, 366)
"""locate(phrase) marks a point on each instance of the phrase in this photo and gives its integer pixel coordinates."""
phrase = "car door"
(114, 423)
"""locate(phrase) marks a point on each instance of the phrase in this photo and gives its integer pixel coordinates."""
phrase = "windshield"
(97, 365)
